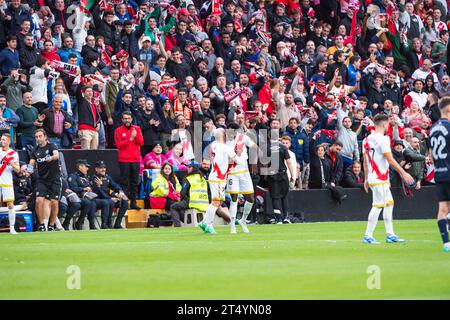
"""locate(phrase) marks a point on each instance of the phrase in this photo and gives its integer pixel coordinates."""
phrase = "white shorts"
(217, 190)
(381, 195)
(240, 183)
(7, 194)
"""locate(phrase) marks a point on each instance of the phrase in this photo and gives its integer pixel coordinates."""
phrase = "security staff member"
(194, 194)
(103, 183)
(80, 183)
(277, 177)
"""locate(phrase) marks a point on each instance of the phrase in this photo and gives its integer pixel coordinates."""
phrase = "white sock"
(46, 223)
(372, 221)
(58, 223)
(247, 208)
(12, 218)
(388, 220)
(233, 212)
(210, 213)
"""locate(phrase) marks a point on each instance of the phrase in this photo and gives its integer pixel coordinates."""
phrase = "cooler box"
(28, 217)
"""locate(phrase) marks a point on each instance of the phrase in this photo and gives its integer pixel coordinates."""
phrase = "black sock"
(443, 229)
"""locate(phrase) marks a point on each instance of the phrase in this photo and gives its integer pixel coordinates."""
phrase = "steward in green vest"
(194, 194)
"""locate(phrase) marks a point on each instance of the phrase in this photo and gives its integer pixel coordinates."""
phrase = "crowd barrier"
(318, 206)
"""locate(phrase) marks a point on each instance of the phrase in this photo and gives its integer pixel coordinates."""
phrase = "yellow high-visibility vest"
(198, 193)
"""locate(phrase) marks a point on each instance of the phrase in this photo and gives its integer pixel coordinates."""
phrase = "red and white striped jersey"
(375, 147)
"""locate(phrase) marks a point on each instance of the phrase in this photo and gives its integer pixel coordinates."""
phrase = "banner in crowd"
(71, 69)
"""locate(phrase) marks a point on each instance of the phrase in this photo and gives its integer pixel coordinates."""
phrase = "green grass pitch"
(301, 261)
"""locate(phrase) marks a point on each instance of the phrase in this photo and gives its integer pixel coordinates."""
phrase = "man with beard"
(49, 186)
(444, 89)
(149, 122)
(350, 150)
(103, 183)
(155, 159)
(193, 93)
(205, 111)
(111, 92)
(393, 91)
(129, 140)
(210, 56)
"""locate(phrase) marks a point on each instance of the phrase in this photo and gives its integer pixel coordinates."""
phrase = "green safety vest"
(198, 193)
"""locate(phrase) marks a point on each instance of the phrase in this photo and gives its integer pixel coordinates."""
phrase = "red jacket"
(129, 151)
(51, 56)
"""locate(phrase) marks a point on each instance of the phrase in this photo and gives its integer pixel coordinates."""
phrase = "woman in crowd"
(167, 118)
(412, 116)
(320, 168)
(176, 159)
(165, 188)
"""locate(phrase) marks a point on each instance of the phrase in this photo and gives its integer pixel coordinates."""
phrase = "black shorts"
(49, 189)
(443, 191)
(279, 185)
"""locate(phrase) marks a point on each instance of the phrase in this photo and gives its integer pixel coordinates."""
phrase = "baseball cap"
(194, 164)
(100, 164)
(398, 142)
(82, 161)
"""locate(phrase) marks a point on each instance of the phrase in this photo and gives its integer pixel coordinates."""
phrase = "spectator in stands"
(68, 51)
(28, 54)
(15, 14)
(9, 56)
(88, 120)
(165, 190)
(57, 122)
(150, 124)
(334, 154)
(38, 81)
(353, 176)
(29, 120)
(414, 156)
(106, 27)
(129, 140)
(299, 144)
(350, 149)
(320, 168)
(155, 158)
(176, 158)
(108, 189)
(8, 119)
(14, 87)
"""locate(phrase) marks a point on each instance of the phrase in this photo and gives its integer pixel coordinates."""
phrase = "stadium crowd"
(137, 75)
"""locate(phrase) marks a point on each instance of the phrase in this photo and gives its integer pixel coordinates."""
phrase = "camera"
(21, 71)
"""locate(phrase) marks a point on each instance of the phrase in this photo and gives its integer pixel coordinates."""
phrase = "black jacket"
(393, 93)
(85, 115)
(107, 184)
(49, 122)
(315, 171)
(350, 180)
(108, 31)
(28, 57)
(149, 131)
(78, 181)
(336, 168)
